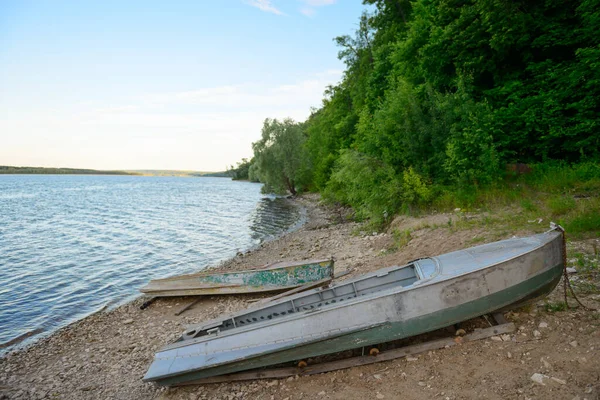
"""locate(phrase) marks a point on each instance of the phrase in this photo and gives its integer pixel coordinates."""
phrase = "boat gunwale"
(382, 294)
(173, 375)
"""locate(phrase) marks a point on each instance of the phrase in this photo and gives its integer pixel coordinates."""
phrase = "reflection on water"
(274, 215)
(71, 244)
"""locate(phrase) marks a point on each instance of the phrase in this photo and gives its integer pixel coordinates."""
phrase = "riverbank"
(105, 355)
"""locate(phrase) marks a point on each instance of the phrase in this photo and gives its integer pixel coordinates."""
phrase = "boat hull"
(392, 316)
(277, 277)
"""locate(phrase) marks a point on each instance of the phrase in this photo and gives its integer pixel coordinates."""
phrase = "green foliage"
(401, 238)
(556, 306)
(438, 96)
(587, 220)
(279, 156)
(241, 171)
(414, 189)
(366, 184)
(560, 205)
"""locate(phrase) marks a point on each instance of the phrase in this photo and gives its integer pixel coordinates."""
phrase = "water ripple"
(72, 244)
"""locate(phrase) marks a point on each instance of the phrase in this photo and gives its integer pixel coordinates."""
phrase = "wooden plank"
(187, 307)
(357, 361)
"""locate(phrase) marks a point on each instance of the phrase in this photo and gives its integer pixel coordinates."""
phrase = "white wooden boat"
(389, 304)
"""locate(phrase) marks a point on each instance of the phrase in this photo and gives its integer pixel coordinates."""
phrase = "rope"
(566, 281)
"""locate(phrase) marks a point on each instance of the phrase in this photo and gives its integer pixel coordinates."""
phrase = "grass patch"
(560, 205)
(528, 205)
(555, 306)
(583, 221)
(401, 238)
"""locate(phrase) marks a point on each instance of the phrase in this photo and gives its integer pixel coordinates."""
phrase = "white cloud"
(202, 129)
(318, 3)
(309, 6)
(309, 12)
(264, 5)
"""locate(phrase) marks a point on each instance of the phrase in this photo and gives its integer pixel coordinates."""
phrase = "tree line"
(443, 94)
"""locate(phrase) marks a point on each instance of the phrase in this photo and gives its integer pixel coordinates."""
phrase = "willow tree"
(279, 159)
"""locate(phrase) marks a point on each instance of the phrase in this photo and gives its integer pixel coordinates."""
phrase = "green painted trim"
(538, 285)
(289, 276)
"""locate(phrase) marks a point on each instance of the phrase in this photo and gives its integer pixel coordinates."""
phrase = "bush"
(366, 184)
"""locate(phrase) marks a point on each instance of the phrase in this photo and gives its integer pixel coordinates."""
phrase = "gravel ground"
(105, 355)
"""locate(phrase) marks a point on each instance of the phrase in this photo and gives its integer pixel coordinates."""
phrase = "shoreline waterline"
(74, 245)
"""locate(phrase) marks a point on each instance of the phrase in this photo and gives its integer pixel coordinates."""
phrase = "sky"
(149, 84)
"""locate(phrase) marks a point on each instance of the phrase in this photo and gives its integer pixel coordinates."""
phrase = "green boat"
(386, 305)
(273, 277)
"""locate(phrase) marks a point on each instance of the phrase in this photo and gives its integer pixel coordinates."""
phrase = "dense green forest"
(58, 171)
(444, 99)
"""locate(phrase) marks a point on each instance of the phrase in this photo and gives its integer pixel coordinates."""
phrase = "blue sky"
(157, 84)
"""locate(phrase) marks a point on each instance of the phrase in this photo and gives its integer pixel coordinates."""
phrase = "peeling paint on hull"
(530, 267)
(281, 276)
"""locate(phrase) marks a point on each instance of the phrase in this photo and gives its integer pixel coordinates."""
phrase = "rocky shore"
(104, 356)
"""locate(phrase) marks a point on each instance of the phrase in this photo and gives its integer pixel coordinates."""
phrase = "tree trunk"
(290, 185)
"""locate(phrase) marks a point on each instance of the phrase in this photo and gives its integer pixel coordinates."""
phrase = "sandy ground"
(105, 355)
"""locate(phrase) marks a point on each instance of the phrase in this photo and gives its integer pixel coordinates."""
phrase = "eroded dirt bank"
(105, 355)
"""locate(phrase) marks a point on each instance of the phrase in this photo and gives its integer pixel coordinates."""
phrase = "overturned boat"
(388, 304)
(273, 277)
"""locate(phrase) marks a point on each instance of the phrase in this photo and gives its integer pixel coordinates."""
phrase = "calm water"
(72, 244)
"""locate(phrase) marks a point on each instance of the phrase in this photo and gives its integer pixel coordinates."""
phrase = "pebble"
(321, 393)
(128, 321)
(537, 334)
(562, 382)
(539, 378)
(571, 270)
(496, 338)
(542, 325)
(411, 359)
(380, 396)
(574, 343)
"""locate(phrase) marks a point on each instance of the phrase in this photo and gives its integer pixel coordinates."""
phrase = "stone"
(128, 321)
(460, 332)
(571, 270)
(574, 343)
(411, 359)
(539, 378)
(505, 337)
(380, 396)
(377, 376)
(537, 334)
(562, 382)
(496, 338)
(542, 325)
(321, 393)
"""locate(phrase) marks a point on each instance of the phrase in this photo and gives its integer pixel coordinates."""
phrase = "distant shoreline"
(58, 171)
(6, 170)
